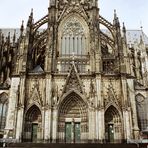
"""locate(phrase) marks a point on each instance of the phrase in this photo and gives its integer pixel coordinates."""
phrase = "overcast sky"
(133, 12)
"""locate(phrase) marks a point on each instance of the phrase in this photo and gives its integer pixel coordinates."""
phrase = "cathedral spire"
(8, 39)
(142, 35)
(22, 29)
(124, 31)
(115, 14)
(124, 28)
(30, 20)
(14, 37)
(51, 3)
(116, 19)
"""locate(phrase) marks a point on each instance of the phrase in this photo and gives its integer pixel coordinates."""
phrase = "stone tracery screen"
(73, 38)
(3, 110)
(141, 104)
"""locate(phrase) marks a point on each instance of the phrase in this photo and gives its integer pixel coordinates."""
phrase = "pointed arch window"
(141, 104)
(73, 38)
(3, 110)
(113, 125)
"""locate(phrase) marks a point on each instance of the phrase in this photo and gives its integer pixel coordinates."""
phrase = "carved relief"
(55, 96)
(111, 97)
(73, 28)
(92, 94)
(67, 6)
(73, 81)
(35, 96)
(87, 3)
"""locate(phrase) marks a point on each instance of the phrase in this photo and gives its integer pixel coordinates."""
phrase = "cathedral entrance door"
(72, 120)
(68, 132)
(111, 133)
(77, 134)
(34, 132)
(113, 125)
(32, 125)
(72, 132)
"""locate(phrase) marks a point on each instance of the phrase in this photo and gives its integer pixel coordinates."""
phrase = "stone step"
(42, 145)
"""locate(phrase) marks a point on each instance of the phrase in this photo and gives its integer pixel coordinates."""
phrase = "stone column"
(54, 124)
(19, 123)
(100, 119)
(92, 132)
(126, 114)
(11, 115)
(127, 127)
(97, 125)
(101, 125)
(43, 124)
(133, 107)
(20, 107)
(48, 102)
(48, 89)
(47, 124)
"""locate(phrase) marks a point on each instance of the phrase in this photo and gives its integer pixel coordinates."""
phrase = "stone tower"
(73, 81)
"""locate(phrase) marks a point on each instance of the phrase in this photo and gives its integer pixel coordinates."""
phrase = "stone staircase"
(49, 145)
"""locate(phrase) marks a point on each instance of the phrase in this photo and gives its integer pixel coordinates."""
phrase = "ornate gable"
(111, 97)
(65, 7)
(73, 81)
(35, 97)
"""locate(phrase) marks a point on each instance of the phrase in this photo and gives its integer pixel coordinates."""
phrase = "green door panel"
(111, 133)
(34, 132)
(68, 132)
(77, 135)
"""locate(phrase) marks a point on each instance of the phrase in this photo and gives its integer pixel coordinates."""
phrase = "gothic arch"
(141, 105)
(32, 124)
(39, 23)
(72, 109)
(115, 106)
(113, 125)
(78, 16)
(108, 25)
(30, 112)
(76, 35)
(3, 109)
(31, 105)
(76, 93)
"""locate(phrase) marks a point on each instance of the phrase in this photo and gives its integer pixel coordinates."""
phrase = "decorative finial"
(22, 27)
(141, 27)
(30, 19)
(31, 12)
(115, 14)
(14, 36)
(124, 28)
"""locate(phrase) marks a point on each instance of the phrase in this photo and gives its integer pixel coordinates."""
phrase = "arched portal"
(3, 112)
(73, 119)
(32, 126)
(73, 41)
(113, 125)
(141, 106)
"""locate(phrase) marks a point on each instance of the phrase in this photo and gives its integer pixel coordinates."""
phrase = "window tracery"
(73, 38)
(3, 110)
(73, 44)
(142, 114)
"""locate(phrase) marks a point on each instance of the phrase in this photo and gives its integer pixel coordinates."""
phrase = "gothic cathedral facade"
(72, 82)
